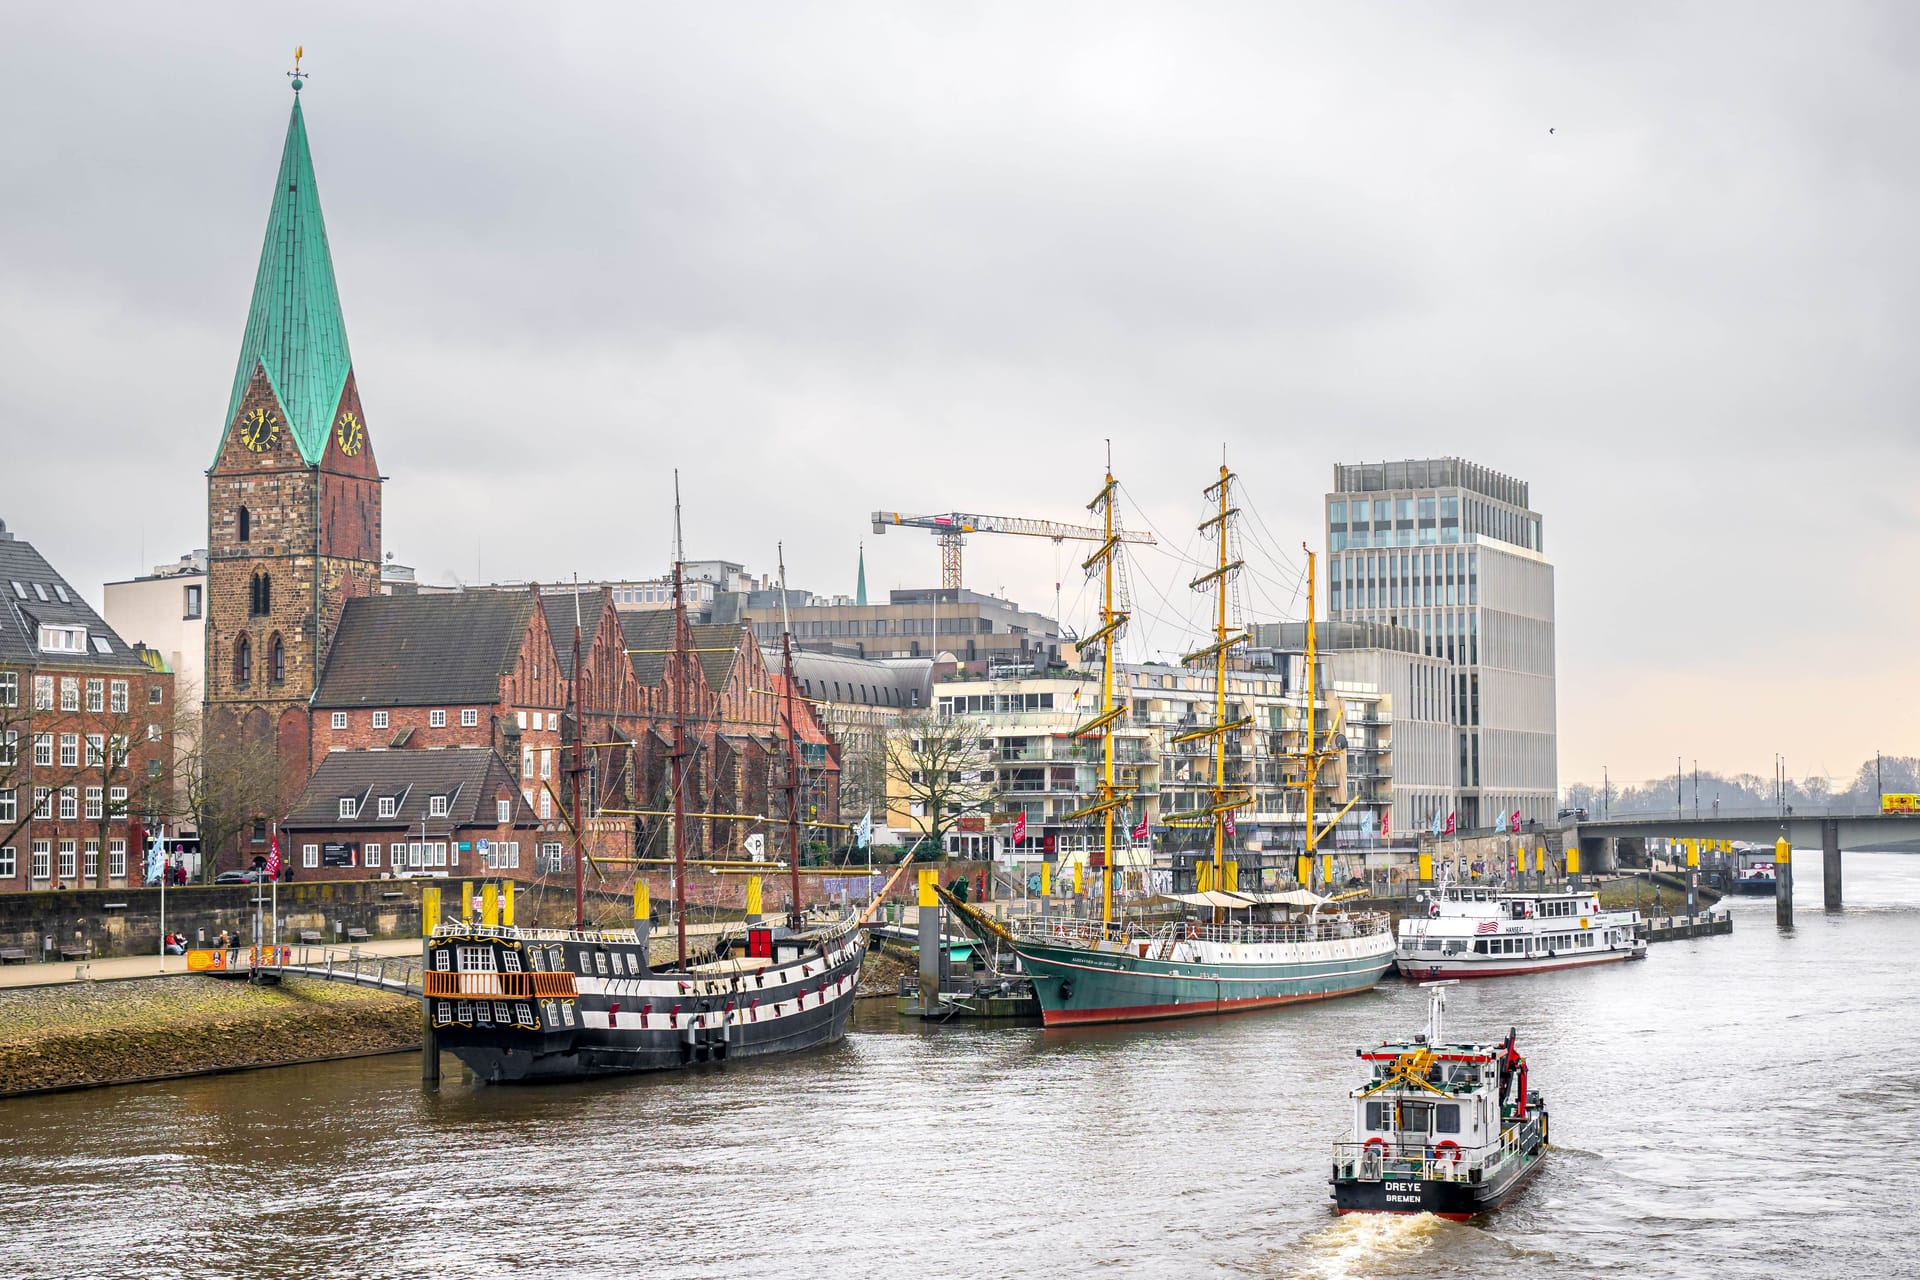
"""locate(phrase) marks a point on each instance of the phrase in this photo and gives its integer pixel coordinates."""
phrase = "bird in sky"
(1550, 131)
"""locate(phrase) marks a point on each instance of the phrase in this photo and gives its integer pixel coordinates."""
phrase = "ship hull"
(1755, 888)
(1079, 985)
(657, 1020)
(1424, 970)
(1456, 1199)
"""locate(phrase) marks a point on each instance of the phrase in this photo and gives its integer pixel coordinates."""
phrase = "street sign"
(757, 847)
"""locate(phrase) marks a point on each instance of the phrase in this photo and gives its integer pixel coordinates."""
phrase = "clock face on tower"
(350, 434)
(260, 429)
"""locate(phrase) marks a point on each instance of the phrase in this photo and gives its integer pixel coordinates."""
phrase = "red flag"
(1140, 827)
(273, 859)
(1020, 827)
(1449, 830)
(1229, 823)
(1516, 822)
(1386, 822)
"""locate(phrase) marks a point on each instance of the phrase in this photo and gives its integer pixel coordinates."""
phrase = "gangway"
(398, 974)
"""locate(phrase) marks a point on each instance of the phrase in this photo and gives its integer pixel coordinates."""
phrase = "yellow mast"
(1112, 621)
(1313, 746)
(1220, 803)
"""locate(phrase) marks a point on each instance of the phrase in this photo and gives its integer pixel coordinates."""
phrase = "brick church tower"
(293, 496)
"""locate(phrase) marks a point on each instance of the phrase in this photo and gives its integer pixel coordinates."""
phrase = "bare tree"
(227, 782)
(941, 764)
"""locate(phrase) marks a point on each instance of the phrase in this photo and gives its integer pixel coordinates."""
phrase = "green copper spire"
(294, 327)
(860, 590)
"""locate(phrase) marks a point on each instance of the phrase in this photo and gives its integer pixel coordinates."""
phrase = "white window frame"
(9, 747)
(43, 750)
(69, 860)
(546, 805)
(117, 803)
(117, 697)
(388, 806)
(469, 718)
(436, 806)
(117, 859)
(43, 693)
(9, 804)
(503, 811)
(69, 803)
(9, 688)
(349, 807)
(69, 751)
(379, 719)
(43, 802)
(96, 801)
(43, 859)
(90, 860)
(436, 719)
(553, 719)
(546, 763)
(309, 855)
(69, 693)
(9, 863)
(96, 750)
(520, 718)
(96, 694)
(370, 855)
(339, 719)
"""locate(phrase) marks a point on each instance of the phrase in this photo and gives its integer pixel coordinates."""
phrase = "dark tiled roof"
(471, 777)
(719, 645)
(23, 612)
(558, 602)
(410, 651)
(651, 632)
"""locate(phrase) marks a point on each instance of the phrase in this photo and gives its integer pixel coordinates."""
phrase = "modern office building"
(1453, 551)
(919, 623)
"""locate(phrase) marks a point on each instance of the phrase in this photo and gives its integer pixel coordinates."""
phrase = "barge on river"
(1450, 1129)
(1476, 932)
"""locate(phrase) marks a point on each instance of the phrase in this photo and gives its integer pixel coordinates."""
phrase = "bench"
(13, 955)
(358, 935)
(75, 953)
(312, 936)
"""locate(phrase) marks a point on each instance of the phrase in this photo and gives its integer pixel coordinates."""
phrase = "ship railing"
(1044, 928)
(457, 929)
(1417, 1157)
(1362, 926)
(444, 985)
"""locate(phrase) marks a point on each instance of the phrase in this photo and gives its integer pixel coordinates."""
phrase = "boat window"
(1480, 946)
(476, 960)
(480, 1009)
(600, 963)
(618, 968)
(512, 959)
(443, 960)
(1413, 1117)
(556, 958)
(1374, 1117)
(536, 958)
(501, 1013)
(586, 962)
(1446, 1118)
(524, 1012)
(566, 1011)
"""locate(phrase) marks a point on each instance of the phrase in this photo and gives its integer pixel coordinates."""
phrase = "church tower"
(293, 496)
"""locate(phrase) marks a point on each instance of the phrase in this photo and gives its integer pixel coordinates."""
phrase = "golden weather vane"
(297, 75)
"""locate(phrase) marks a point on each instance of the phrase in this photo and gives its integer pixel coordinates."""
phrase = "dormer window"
(387, 805)
(436, 806)
(349, 807)
(63, 639)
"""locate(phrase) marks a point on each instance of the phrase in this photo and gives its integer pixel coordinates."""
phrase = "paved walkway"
(40, 975)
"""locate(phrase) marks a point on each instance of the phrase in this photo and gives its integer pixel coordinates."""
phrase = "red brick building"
(86, 735)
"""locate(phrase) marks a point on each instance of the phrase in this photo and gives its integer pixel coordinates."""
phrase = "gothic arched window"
(260, 595)
(277, 660)
(242, 660)
(246, 525)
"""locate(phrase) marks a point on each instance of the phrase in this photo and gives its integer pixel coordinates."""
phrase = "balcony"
(499, 986)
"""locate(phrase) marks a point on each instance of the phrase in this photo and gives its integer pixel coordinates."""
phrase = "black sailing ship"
(529, 1004)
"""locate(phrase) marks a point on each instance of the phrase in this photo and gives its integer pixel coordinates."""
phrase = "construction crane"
(952, 530)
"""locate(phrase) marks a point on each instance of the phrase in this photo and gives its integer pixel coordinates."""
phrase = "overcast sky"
(1658, 260)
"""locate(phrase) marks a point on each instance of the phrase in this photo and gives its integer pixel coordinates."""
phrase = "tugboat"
(1474, 932)
(1447, 1129)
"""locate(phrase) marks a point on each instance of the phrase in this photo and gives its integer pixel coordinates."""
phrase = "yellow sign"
(1900, 804)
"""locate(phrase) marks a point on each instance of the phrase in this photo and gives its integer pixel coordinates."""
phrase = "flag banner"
(1487, 926)
(1366, 823)
(1436, 822)
(1386, 822)
(1229, 822)
(863, 834)
(1140, 828)
(1449, 830)
(1516, 822)
(273, 858)
(157, 858)
(1020, 827)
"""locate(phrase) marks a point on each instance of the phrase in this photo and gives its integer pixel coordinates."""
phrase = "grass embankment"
(82, 1034)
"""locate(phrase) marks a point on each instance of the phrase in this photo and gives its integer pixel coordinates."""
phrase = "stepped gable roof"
(471, 778)
(558, 603)
(294, 326)
(410, 651)
(33, 595)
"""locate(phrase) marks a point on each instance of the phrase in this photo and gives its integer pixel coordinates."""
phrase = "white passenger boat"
(1475, 932)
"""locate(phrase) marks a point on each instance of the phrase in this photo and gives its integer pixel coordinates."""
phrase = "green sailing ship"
(1236, 950)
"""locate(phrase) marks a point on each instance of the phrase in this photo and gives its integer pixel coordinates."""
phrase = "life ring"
(1446, 1149)
(1371, 1143)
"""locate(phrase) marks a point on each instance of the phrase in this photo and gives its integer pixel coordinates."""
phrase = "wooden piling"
(1830, 863)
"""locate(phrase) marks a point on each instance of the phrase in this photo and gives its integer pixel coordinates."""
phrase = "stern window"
(1446, 1118)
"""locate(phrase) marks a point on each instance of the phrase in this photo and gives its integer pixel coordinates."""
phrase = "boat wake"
(1375, 1244)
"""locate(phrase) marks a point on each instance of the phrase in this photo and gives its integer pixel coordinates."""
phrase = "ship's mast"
(579, 772)
(679, 770)
(1220, 804)
(793, 752)
(1112, 620)
(1313, 743)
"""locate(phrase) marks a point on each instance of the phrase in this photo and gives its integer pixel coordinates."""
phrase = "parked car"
(1578, 815)
(252, 875)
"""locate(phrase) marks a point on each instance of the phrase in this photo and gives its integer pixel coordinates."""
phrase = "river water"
(1734, 1106)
